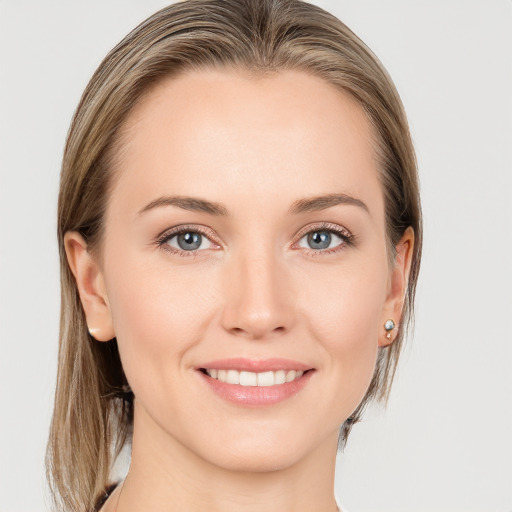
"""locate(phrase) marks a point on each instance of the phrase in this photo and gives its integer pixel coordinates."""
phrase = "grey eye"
(320, 240)
(188, 241)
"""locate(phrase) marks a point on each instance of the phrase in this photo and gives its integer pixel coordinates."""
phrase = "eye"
(184, 240)
(326, 238)
(187, 241)
(320, 240)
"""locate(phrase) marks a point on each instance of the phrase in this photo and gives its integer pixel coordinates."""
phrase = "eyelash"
(165, 237)
(347, 238)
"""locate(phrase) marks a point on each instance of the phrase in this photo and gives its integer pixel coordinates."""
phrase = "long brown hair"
(93, 402)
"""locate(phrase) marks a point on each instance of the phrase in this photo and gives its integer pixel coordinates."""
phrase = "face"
(244, 244)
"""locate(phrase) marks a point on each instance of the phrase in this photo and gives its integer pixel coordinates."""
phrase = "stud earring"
(92, 331)
(389, 326)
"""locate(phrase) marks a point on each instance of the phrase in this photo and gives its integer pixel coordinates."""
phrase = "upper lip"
(254, 365)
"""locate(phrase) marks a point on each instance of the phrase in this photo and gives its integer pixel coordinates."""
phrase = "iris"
(319, 239)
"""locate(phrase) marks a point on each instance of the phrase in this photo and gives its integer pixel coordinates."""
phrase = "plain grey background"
(444, 444)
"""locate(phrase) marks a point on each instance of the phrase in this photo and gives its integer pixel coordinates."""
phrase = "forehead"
(218, 133)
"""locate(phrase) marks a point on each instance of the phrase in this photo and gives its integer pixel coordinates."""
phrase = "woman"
(240, 238)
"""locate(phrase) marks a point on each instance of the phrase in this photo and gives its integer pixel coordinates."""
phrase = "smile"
(263, 379)
(255, 383)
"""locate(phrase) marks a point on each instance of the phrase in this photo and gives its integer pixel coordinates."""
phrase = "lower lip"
(257, 395)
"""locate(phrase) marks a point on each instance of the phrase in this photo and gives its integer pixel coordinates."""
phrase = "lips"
(255, 382)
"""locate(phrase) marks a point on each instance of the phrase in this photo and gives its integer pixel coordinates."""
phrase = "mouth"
(254, 379)
(255, 383)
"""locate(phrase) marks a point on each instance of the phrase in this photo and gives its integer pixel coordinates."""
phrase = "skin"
(255, 288)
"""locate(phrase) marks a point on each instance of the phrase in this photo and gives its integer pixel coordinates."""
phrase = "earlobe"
(399, 281)
(91, 286)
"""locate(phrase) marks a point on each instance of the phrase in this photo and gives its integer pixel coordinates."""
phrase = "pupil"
(319, 239)
(189, 241)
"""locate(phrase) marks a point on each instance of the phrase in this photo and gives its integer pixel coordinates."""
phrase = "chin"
(256, 459)
(274, 451)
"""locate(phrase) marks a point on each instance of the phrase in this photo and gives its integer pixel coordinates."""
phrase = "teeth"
(233, 377)
(248, 379)
(291, 374)
(280, 377)
(266, 379)
(255, 379)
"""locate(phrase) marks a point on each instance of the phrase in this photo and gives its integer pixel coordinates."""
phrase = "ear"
(91, 286)
(399, 279)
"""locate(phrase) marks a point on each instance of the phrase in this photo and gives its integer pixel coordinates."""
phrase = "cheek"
(347, 301)
(345, 318)
(158, 314)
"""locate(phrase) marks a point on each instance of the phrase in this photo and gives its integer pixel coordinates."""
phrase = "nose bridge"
(257, 295)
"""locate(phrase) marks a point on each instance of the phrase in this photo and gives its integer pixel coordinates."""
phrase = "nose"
(258, 296)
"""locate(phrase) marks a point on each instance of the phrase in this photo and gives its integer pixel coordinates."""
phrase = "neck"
(167, 476)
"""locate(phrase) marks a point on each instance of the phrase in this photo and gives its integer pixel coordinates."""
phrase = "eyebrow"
(327, 201)
(308, 204)
(194, 204)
